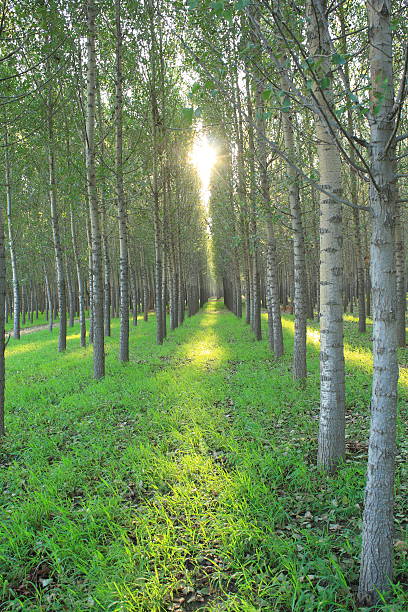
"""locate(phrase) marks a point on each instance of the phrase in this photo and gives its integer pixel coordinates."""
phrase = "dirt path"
(35, 328)
(30, 330)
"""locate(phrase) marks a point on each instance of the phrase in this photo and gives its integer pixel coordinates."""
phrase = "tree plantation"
(203, 358)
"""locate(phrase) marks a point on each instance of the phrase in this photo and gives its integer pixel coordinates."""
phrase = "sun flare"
(203, 157)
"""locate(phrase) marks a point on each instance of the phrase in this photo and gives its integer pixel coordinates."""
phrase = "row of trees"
(312, 136)
(103, 211)
(305, 104)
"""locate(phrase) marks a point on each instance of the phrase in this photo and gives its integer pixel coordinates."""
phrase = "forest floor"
(36, 324)
(185, 479)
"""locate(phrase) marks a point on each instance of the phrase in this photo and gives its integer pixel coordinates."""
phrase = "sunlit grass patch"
(188, 473)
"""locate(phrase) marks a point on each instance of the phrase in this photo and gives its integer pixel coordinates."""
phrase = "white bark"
(376, 559)
(120, 197)
(2, 322)
(96, 240)
(332, 420)
(12, 248)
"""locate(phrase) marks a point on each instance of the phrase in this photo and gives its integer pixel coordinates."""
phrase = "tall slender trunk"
(401, 280)
(236, 273)
(254, 264)
(360, 264)
(36, 300)
(354, 196)
(332, 418)
(135, 297)
(90, 282)
(181, 291)
(120, 196)
(105, 244)
(156, 121)
(59, 261)
(31, 302)
(275, 336)
(274, 314)
(164, 294)
(145, 286)
(165, 243)
(97, 289)
(377, 548)
(106, 274)
(23, 305)
(49, 299)
(81, 294)
(299, 258)
(247, 281)
(173, 288)
(13, 256)
(2, 317)
(71, 294)
(242, 196)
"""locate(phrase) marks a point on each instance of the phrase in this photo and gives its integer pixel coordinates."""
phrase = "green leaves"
(286, 104)
(187, 114)
(218, 7)
(325, 82)
(241, 5)
(192, 4)
(195, 88)
(338, 59)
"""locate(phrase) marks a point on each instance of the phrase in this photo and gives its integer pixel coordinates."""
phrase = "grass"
(185, 479)
(41, 320)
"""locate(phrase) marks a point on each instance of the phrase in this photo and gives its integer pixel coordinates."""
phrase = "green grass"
(41, 320)
(185, 479)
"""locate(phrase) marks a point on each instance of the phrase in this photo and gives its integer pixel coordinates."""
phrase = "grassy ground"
(41, 320)
(185, 479)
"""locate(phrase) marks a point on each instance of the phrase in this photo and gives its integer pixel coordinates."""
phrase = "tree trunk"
(59, 261)
(105, 246)
(49, 299)
(97, 289)
(2, 331)
(274, 314)
(377, 547)
(401, 281)
(332, 419)
(90, 282)
(156, 121)
(71, 294)
(275, 336)
(13, 256)
(81, 294)
(145, 287)
(134, 296)
(354, 197)
(120, 196)
(299, 262)
(254, 265)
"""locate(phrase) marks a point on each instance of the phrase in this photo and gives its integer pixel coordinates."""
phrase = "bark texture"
(96, 240)
(59, 261)
(331, 447)
(12, 248)
(299, 258)
(377, 548)
(81, 294)
(2, 321)
(120, 197)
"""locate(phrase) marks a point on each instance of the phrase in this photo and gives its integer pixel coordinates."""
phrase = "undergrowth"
(185, 479)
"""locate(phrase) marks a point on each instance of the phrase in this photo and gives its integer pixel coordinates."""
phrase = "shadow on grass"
(182, 480)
